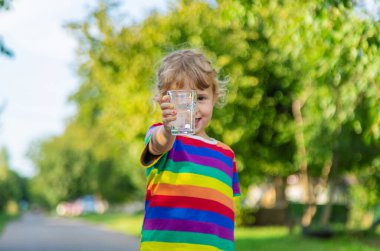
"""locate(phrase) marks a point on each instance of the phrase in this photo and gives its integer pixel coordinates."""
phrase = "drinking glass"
(184, 102)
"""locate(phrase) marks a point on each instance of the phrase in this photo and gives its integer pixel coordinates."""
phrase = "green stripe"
(160, 165)
(189, 167)
(148, 170)
(147, 139)
(187, 237)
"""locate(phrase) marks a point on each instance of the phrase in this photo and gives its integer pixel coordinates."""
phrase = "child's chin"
(198, 129)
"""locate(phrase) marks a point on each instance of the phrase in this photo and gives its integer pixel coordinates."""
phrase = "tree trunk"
(280, 185)
(326, 214)
(309, 198)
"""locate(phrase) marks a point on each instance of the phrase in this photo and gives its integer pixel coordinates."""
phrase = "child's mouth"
(197, 121)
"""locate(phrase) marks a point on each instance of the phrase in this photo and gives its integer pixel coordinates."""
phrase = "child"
(192, 179)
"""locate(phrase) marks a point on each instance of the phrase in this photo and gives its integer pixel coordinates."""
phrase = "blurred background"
(302, 112)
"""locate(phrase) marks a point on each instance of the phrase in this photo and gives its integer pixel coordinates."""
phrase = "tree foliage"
(12, 186)
(319, 54)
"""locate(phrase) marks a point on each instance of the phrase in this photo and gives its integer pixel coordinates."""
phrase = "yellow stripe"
(191, 179)
(156, 246)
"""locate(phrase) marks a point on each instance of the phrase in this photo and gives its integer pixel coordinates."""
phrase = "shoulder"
(150, 131)
(154, 125)
(226, 148)
(151, 127)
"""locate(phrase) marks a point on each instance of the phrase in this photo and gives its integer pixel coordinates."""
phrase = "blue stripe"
(235, 178)
(189, 214)
(202, 151)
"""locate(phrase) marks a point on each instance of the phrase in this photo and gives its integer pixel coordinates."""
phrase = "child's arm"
(162, 140)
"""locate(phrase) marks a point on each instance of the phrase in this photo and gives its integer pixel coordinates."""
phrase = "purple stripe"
(200, 160)
(189, 226)
(236, 190)
(235, 184)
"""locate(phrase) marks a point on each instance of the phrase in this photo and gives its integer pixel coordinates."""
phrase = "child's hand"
(168, 113)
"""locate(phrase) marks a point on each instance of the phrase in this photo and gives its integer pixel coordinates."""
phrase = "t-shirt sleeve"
(235, 180)
(147, 159)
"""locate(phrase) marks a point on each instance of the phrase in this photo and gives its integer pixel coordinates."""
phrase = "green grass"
(256, 238)
(129, 224)
(277, 238)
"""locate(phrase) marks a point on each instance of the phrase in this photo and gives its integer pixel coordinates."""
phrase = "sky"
(36, 82)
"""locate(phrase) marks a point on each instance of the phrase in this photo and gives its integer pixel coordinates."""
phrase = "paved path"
(38, 233)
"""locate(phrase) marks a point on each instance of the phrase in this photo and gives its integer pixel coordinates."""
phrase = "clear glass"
(184, 102)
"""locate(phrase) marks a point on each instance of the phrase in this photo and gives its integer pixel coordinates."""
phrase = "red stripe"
(199, 143)
(196, 142)
(148, 195)
(192, 203)
(157, 124)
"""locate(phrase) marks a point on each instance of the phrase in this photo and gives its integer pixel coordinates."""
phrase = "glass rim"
(183, 91)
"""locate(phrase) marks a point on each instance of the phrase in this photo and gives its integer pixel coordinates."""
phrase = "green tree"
(5, 5)
(303, 92)
(12, 186)
(74, 164)
(320, 50)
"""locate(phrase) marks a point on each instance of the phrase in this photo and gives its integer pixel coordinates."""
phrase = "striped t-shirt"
(189, 200)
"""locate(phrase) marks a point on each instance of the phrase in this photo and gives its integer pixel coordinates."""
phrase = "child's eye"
(200, 98)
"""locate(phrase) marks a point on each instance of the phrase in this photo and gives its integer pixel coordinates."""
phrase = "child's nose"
(197, 109)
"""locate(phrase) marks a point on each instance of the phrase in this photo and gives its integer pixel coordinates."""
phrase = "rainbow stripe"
(189, 200)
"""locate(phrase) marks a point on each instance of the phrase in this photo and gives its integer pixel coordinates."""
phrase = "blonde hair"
(189, 67)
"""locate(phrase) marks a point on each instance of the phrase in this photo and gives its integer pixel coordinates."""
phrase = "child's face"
(206, 100)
